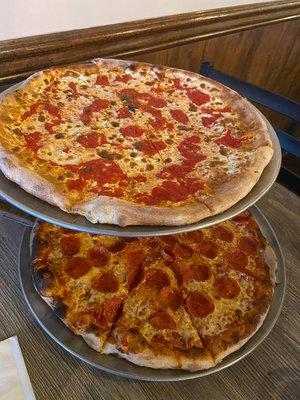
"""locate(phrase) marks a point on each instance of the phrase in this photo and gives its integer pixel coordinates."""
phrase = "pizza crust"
(32, 182)
(146, 358)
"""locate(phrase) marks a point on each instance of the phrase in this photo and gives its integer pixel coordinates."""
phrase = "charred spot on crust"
(59, 308)
(43, 279)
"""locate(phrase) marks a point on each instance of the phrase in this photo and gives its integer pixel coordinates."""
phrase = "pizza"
(179, 301)
(131, 143)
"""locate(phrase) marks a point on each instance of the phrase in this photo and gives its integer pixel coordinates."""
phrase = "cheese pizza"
(131, 143)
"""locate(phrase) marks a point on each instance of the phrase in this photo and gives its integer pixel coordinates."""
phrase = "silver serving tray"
(15, 195)
(75, 345)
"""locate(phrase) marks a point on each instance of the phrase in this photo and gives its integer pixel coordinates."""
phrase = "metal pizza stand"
(31, 208)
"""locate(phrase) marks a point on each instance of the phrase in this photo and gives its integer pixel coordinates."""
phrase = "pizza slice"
(154, 329)
(84, 279)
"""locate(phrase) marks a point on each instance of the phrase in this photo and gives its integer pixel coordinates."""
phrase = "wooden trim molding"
(21, 57)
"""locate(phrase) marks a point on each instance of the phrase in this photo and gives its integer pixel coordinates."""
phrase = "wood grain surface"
(21, 57)
(270, 372)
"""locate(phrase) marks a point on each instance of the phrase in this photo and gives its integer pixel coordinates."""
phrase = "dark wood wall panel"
(268, 57)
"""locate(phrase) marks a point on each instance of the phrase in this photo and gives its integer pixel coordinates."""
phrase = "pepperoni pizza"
(180, 301)
(131, 143)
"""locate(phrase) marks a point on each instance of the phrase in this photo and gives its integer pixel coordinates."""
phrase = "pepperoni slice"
(52, 110)
(76, 184)
(180, 271)
(208, 249)
(73, 88)
(167, 254)
(226, 287)
(91, 140)
(200, 272)
(162, 320)
(171, 297)
(99, 256)
(179, 116)
(208, 121)
(199, 304)
(223, 233)
(32, 110)
(69, 245)
(117, 247)
(157, 279)
(123, 78)
(195, 236)
(168, 239)
(237, 259)
(157, 102)
(182, 251)
(111, 310)
(102, 80)
(131, 131)
(106, 283)
(77, 267)
(229, 140)
(198, 97)
(123, 113)
(32, 141)
(249, 245)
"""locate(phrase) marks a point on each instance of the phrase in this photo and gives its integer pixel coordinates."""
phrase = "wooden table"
(270, 372)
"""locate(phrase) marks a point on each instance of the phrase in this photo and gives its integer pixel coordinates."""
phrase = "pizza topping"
(156, 278)
(229, 140)
(70, 245)
(32, 110)
(198, 97)
(149, 147)
(102, 80)
(96, 106)
(52, 110)
(123, 113)
(208, 121)
(208, 248)
(199, 304)
(249, 245)
(200, 272)
(111, 310)
(107, 282)
(102, 171)
(77, 267)
(180, 271)
(237, 259)
(123, 78)
(171, 297)
(73, 88)
(162, 320)
(182, 251)
(98, 256)
(190, 148)
(195, 236)
(131, 131)
(180, 116)
(157, 102)
(76, 184)
(226, 287)
(223, 233)
(32, 141)
(92, 140)
(167, 254)
(117, 247)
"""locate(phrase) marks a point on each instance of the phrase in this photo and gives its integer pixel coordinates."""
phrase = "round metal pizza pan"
(15, 195)
(75, 345)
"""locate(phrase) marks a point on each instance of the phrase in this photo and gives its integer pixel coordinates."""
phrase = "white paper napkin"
(14, 379)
